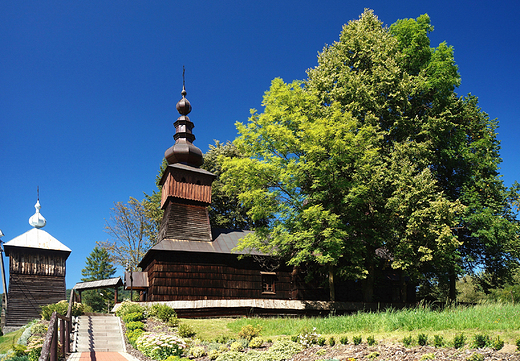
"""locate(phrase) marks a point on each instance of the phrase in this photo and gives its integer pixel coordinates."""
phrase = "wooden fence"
(50, 345)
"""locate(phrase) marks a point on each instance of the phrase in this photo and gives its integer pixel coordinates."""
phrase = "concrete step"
(99, 333)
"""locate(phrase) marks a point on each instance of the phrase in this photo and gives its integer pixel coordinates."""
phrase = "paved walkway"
(100, 338)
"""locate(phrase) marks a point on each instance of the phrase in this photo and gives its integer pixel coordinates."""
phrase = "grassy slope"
(392, 325)
(8, 340)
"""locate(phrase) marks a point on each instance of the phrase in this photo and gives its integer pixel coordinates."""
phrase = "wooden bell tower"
(186, 189)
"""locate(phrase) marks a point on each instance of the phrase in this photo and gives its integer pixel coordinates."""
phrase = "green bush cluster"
(343, 340)
(357, 340)
(129, 307)
(332, 341)
(256, 342)
(250, 331)
(62, 307)
(459, 341)
(133, 317)
(134, 325)
(34, 348)
(186, 331)
(371, 341)
(162, 312)
(438, 341)
(197, 351)
(133, 335)
(422, 339)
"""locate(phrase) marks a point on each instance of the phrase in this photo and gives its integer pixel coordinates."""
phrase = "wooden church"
(37, 265)
(194, 267)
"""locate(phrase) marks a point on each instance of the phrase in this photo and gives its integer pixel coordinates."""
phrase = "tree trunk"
(368, 283)
(453, 289)
(331, 283)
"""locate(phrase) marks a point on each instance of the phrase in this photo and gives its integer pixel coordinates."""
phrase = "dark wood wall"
(35, 279)
(197, 276)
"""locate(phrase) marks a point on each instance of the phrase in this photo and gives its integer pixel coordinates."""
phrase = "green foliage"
(497, 343)
(213, 354)
(372, 355)
(357, 340)
(130, 307)
(133, 317)
(307, 338)
(34, 347)
(438, 341)
(407, 341)
(371, 341)
(197, 351)
(475, 357)
(427, 356)
(343, 340)
(162, 312)
(236, 346)
(422, 339)
(62, 308)
(249, 331)
(133, 335)
(459, 341)
(517, 343)
(173, 321)
(134, 325)
(98, 266)
(481, 341)
(186, 330)
(321, 341)
(19, 350)
(256, 342)
(332, 341)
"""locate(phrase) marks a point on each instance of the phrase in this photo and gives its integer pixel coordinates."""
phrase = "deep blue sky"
(88, 89)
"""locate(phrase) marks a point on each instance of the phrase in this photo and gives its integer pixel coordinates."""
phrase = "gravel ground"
(386, 352)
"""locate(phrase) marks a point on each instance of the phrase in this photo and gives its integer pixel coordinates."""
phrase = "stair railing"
(50, 345)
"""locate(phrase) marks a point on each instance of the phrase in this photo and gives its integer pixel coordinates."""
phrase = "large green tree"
(375, 154)
(98, 267)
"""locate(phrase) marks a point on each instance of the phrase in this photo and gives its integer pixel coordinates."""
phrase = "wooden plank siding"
(194, 276)
(187, 185)
(183, 220)
(36, 278)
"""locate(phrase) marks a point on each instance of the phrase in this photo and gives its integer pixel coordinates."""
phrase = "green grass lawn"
(392, 325)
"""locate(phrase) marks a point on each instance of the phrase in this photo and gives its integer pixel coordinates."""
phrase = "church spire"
(183, 151)
(37, 220)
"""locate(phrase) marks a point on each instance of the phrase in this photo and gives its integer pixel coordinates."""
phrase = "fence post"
(54, 343)
(67, 335)
(62, 336)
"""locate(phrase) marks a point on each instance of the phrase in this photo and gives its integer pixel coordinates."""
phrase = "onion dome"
(183, 151)
(37, 220)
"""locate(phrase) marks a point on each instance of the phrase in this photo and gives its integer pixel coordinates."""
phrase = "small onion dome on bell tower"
(183, 151)
(37, 220)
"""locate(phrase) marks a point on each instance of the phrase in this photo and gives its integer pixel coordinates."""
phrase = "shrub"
(249, 331)
(422, 339)
(307, 338)
(236, 346)
(173, 321)
(295, 338)
(459, 341)
(160, 345)
(38, 329)
(343, 340)
(18, 350)
(284, 349)
(213, 354)
(223, 348)
(34, 348)
(438, 341)
(256, 342)
(371, 341)
(518, 344)
(231, 356)
(60, 307)
(497, 343)
(332, 341)
(177, 358)
(407, 341)
(321, 341)
(129, 307)
(162, 312)
(321, 352)
(132, 336)
(357, 340)
(186, 331)
(481, 341)
(221, 339)
(197, 351)
(134, 325)
(133, 317)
